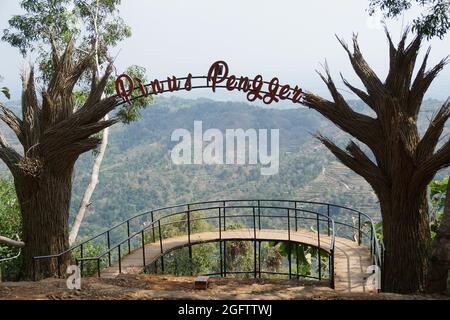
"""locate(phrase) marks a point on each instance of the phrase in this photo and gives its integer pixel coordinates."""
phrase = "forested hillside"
(138, 173)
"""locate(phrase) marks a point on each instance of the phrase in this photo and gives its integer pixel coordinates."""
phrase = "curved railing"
(134, 232)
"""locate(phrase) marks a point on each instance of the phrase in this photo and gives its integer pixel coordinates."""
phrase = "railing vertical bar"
(143, 248)
(220, 223)
(128, 233)
(254, 260)
(109, 247)
(359, 228)
(153, 226)
(189, 225)
(225, 258)
(254, 223)
(289, 224)
(318, 246)
(296, 216)
(160, 236)
(120, 259)
(81, 256)
(259, 258)
(328, 215)
(254, 242)
(259, 214)
(221, 258)
(224, 217)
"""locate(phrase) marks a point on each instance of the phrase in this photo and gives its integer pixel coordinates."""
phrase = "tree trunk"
(45, 202)
(406, 239)
(440, 252)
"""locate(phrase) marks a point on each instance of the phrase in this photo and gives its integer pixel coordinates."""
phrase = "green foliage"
(204, 260)
(434, 21)
(10, 226)
(5, 92)
(379, 230)
(128, 113)
(304, 253)
(42, 19)
(438, 190)
(62, 20)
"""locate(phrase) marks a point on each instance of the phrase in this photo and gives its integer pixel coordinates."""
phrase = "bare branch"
(11, 243)
(428, 168)
(340, 113)
(12, 121)
(96, 112)
(402, 63)
(9, 156)
(422, 82)
(97, 90)
(58, 141)
(56, 55)
(373, 84)
(431, 137)
(31, 112)
(361, 94)
(357, 160)
(81, 67)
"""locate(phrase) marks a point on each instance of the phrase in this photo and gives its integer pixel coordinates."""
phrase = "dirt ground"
(149, 287)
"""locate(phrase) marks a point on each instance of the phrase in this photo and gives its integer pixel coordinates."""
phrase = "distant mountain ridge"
(137, 172)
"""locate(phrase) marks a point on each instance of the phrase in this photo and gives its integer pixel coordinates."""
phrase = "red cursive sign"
(218, 77)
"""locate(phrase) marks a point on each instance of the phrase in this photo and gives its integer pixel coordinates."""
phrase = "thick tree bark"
(45, 211)
(406, 237)
(440, 253)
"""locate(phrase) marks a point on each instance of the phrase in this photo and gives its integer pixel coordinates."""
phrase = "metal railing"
(336, 219)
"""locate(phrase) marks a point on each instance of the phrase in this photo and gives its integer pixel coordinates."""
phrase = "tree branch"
(429, 141)
(357, 160)
(340, 113)
(9, 156)
(97, 90)
(361, 94)
(428, 168)
(13, 122)
(11, 243)
(31, 112)
(371, 82)
(421, 84)
(402, 63)
(58, 141)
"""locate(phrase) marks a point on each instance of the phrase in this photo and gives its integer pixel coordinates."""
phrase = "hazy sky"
(284, 38)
